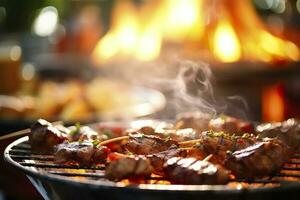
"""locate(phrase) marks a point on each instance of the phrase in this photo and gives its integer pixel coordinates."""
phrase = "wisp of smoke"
(193, 91)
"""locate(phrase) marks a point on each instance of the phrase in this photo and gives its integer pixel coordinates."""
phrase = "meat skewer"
(193, 171)
(287, 131)
(264, 158)
(83, 153)
(44, 136)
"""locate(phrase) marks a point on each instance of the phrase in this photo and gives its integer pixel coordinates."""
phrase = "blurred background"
(92, 60)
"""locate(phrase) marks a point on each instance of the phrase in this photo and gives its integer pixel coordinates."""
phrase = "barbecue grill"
(56, 181)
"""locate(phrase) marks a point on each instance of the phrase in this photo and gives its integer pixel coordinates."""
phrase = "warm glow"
(106, 48)
(46, 22)
(273, 104)
(278, 47)
(148, 47)
(225, 43)
(181, 19)
(138, 31)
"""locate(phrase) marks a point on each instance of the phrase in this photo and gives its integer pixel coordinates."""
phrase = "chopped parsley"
(76, 130)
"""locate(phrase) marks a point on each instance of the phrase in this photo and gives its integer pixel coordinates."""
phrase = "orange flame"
(139, 31)
(273, 104)
(226, 44)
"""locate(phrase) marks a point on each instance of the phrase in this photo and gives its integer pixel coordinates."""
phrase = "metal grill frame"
(16, 151)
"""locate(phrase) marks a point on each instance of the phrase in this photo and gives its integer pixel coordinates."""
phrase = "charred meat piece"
(128, 168)
(44, 136)
(195, 120)
(194, 171)
(230, 125)
(158, 159)
(287, 131)
(83, 153)
(141, 144)
(261, 159)
(85, 133)
(180, 135)
(218, 143)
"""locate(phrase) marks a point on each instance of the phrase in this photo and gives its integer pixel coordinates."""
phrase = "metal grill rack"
(21, 154)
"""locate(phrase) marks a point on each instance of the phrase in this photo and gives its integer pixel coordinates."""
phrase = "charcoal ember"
(128, 168)
(195, 172)
(44, 136)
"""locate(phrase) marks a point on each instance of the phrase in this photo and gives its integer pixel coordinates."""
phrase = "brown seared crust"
(141, 144)
(195, 120)
(158, 159)
(218, 144)
(128, 168)
(261, 159)
(82, 153)
(287, 131)
(230, 125)
(85, 133)
(44, 136)
(196, 172)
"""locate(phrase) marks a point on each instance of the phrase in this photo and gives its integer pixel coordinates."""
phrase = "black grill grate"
(41, 162)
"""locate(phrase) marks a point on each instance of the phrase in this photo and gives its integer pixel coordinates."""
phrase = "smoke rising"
(188, 86)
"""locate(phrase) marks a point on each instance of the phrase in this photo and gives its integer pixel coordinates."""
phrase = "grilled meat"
(180, 135)
(128, 168)
(287, 131)
(195, 120)
(85, 133)
(193, 171)
(230, 125)
(218, 143)
(261, 159)
(141, 144)
(83, 153)
(44, 136)
(157, 160)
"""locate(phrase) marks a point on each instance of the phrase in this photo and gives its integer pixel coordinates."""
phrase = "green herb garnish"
(76, 130)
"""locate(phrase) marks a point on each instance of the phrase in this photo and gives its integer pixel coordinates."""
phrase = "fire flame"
(140, 31)
(226, 44)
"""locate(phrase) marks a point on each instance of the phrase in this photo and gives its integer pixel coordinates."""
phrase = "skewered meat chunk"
(195, 120)
(230, 125)
(128, 168)
(85, 133)
(181, 135)
(83, 153)
(194, 171)
(141, 144)
(287, 131)
(158, 159)
(218, 143)
(44, 136)
(261, 159)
